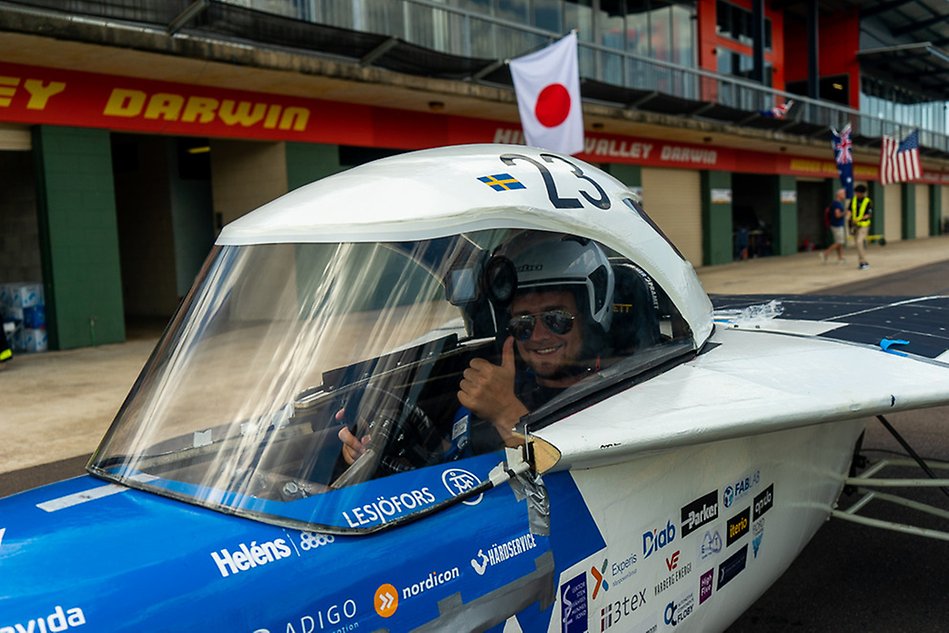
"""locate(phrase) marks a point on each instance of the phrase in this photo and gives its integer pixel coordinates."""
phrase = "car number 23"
(551, 181)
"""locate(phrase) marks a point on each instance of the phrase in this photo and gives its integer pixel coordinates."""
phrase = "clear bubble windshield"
(283, 353)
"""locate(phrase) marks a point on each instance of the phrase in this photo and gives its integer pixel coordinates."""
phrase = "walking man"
(861, 211)
(838, 221)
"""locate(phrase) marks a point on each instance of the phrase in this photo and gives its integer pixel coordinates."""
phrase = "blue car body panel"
(87, 553)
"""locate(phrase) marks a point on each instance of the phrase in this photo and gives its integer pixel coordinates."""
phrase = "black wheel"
(402, 436)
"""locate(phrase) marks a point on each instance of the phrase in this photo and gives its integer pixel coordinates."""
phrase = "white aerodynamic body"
(688, 459)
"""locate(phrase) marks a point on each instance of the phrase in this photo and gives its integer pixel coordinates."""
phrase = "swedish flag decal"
(502, 182)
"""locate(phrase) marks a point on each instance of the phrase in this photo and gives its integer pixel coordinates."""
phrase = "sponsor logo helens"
(656, 539)
(677, 573)
(706, 583)
(701, 511)
(245, 556)
(59, 620)
(385, 508)
(732, 566)
(763, 502)
(339, 616)
(621, 610)
(738, 489)
(505, 551)
(678, 610)
(737, 526)
(573, 605)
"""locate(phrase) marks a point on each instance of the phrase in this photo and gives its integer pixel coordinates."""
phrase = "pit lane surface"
(853, 578)
(849, 578)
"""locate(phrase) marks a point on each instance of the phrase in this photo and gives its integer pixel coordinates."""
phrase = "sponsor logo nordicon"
(386, 600)
(699, 512)
(250, 556)
(59, 620)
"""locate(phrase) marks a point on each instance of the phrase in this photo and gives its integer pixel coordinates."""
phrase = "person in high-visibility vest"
(860, 212)
(5, 352)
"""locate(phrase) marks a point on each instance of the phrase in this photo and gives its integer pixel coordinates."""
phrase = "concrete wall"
(19, 228)
(245, 175)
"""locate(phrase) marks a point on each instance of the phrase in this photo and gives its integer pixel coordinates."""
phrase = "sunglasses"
(557, 321)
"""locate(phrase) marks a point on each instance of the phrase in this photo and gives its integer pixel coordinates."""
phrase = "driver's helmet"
(561, 261)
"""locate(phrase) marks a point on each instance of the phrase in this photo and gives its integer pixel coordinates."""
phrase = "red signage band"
(50, 96)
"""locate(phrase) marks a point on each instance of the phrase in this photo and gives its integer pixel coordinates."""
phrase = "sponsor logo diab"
(656, 539)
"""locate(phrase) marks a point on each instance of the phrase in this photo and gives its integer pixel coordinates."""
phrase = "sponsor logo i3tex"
(622, 609)
(701, 511)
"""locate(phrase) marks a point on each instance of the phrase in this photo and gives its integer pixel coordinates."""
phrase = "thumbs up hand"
(487, 390)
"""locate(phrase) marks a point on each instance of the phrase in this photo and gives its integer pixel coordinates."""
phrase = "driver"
(558, 323)
(557, 326)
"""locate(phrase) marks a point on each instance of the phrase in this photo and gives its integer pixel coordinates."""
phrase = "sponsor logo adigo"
(59, 620)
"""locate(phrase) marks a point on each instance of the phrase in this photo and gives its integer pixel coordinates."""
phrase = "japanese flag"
(547, 84)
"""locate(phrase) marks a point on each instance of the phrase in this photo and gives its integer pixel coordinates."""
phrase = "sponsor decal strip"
(88, 495)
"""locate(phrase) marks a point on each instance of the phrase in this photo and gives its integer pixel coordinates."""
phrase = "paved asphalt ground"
(853, 578)
(849, 578)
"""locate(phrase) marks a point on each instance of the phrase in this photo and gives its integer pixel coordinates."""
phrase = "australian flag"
(843, 155)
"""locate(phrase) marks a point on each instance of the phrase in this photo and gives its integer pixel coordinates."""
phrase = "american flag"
(843, 155)
(899, 162)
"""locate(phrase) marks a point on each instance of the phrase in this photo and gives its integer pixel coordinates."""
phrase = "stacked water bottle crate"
(22, 304)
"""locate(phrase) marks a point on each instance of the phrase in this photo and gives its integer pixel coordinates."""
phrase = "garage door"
(922, 210)
(14, 137)
(945, 205)
(893, 201)
(673, 199)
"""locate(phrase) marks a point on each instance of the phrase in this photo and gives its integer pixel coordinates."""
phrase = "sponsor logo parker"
(701, 511)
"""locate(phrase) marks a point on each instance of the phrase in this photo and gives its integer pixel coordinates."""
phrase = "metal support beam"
(813, 46)
(757, 40)
(883, 6)
(189, 13)
(378, 51)
(919, 25)
(487, 70)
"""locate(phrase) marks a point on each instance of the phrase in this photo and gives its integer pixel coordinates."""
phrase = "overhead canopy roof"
(920, 62)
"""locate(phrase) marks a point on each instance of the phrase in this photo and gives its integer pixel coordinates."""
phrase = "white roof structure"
(450, 190)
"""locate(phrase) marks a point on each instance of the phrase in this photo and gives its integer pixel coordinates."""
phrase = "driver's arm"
(487, 390)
